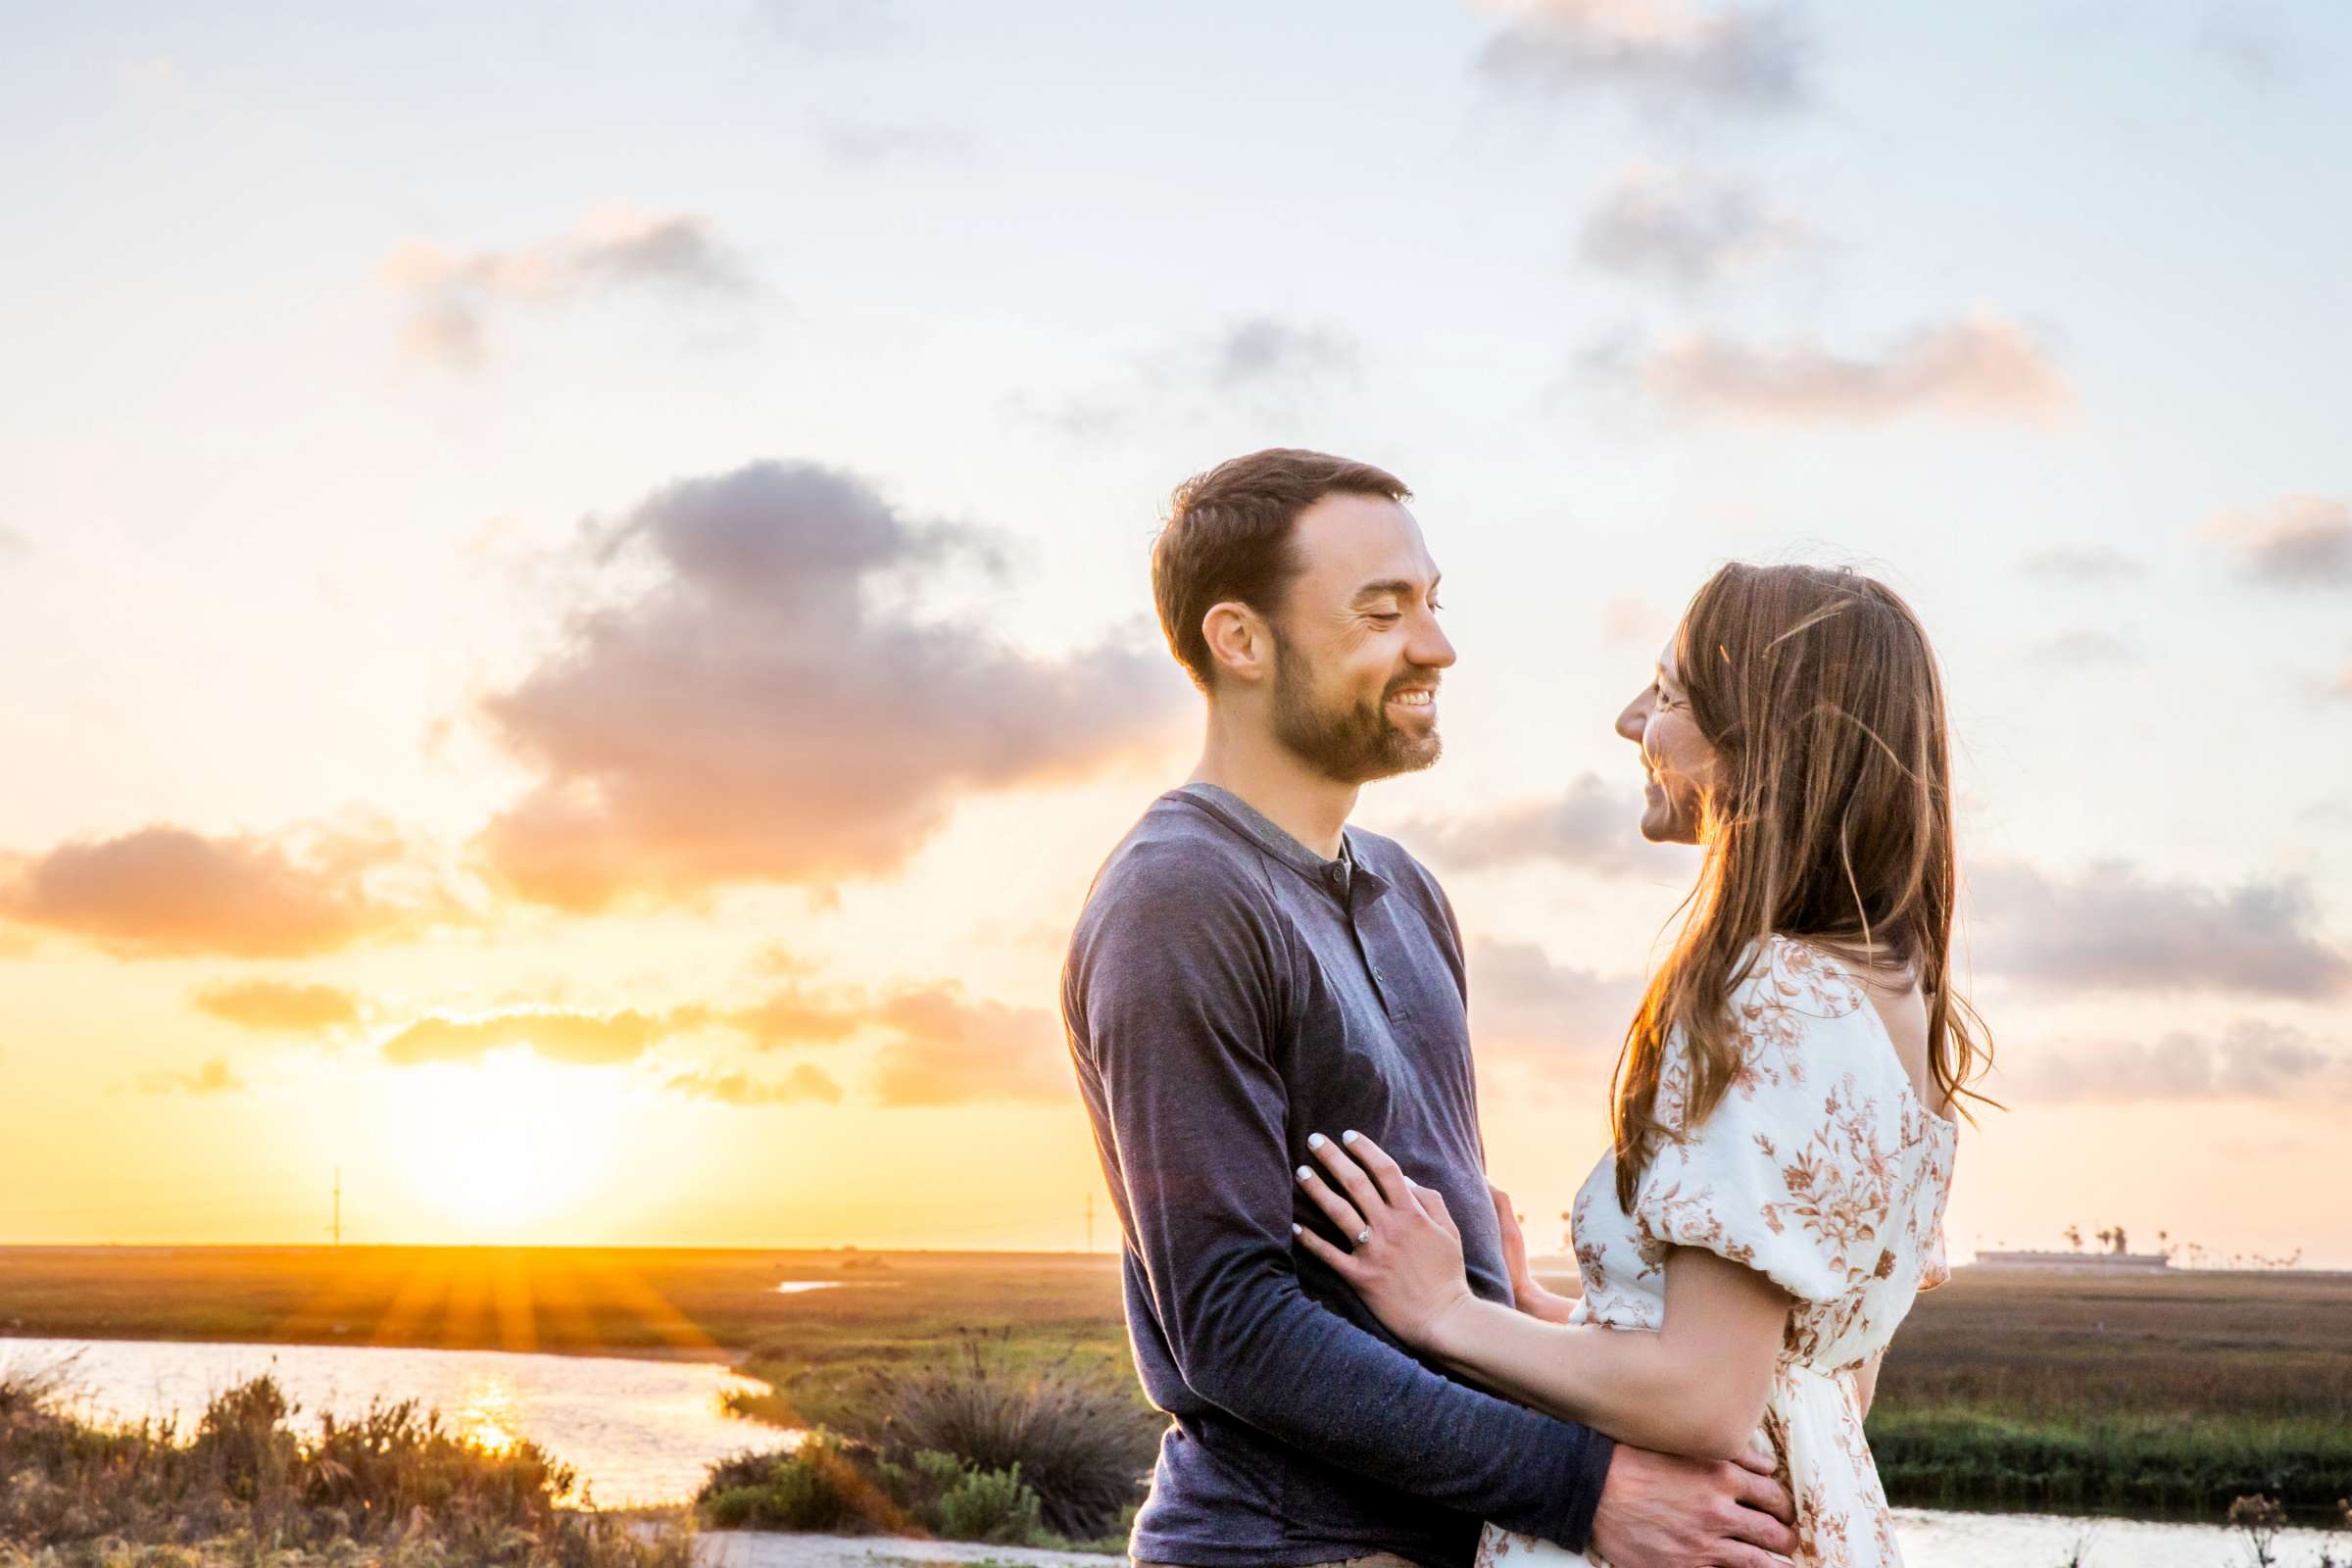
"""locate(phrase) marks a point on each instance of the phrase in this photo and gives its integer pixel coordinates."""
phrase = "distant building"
(2086, 1262)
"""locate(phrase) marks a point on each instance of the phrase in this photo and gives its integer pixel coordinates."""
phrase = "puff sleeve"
(1794, 1173)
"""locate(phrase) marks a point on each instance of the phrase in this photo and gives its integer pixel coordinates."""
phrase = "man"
(1249, 970)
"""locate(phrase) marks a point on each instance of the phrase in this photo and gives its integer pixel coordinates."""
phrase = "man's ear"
(1240, 641)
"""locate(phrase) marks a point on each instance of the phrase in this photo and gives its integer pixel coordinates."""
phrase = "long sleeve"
(1176, 1003)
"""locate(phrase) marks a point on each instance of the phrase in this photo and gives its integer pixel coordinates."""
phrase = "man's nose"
(1430, 650)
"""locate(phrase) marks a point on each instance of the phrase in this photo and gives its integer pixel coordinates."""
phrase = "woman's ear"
(1240, 641)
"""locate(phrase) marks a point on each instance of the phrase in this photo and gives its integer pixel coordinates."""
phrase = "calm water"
(638, 1430)
(1933, 1540)
(644, 1431)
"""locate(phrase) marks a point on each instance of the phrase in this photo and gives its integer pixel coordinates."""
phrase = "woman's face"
(1678, 760)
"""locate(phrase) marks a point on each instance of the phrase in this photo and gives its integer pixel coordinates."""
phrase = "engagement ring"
(1361, 1237)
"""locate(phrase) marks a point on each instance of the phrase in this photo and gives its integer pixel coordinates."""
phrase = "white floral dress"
(1822, 1169)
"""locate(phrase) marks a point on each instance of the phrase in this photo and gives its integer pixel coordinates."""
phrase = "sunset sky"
(573, 612)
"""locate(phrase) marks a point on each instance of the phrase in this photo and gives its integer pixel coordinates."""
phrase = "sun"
(504, 1142)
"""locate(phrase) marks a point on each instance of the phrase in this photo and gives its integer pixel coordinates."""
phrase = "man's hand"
(1660, 1511)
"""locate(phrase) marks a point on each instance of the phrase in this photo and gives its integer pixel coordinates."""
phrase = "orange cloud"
(803, 1083)
(1981, 367)
(584, 1038)
(279, 1006)
(212, 1078)
(952, 1050)
(168, 893)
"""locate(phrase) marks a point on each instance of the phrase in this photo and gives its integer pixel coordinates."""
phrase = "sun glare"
(501, 1144)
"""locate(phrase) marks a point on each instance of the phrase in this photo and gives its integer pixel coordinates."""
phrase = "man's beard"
(1346, 743)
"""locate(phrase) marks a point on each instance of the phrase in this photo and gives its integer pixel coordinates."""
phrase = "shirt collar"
(1342, 877)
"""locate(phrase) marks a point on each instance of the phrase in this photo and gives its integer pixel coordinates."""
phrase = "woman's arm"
(1696, 1387)
(1527, 1293)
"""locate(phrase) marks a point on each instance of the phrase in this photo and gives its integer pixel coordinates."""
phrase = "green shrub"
(992, 1505)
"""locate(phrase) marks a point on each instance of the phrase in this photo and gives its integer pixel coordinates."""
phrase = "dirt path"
(754, 1548)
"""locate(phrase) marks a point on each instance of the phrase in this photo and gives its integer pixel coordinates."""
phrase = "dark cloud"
(1668, 52)
(952, 1050)
(760, 709)
(2115, 928)
(803, 1083)
(582, 1039)
(1523, 1004)
(2092, 564)
(1592, 825)
(2250, 1060)
(1262, 349)
(1979, 366)
(2296, 542)
(212, 1078)
(1668, 225)
(2083, 648)
(455, 292)
(171, 893)
(274, 1005)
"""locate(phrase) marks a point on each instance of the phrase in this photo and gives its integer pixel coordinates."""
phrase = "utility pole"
(338, 1226)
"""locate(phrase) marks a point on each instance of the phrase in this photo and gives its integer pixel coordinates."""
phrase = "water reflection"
(637, 1432)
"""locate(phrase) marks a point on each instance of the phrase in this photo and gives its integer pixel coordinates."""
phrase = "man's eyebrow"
(1389, 587)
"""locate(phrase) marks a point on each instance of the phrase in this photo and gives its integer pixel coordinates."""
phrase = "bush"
(1078, 1437)
(832, 1486)
(992, 1505)
(391, 1486)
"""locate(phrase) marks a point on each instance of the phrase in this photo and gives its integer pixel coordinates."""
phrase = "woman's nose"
(1629, 722)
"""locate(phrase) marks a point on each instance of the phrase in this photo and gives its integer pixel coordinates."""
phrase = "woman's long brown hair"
(1829, 820)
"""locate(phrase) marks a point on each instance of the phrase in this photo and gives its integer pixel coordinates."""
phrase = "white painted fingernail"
(1297, 1229)
(1305, 1175)
(1346, 1137)
(1316, 1140)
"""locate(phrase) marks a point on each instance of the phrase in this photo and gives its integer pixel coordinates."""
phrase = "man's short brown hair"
(1228, 537)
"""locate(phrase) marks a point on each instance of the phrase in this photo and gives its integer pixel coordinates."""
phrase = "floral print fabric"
(1821, 1169)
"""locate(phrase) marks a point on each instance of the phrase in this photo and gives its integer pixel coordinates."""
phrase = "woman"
(1783, 1141)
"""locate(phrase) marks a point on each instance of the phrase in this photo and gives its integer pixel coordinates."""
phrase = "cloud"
(2251, 41)
(2343, 684)
(762, 710)
(793, 1018)
(274, 1005)
(830, 26)
(1523, 1004)
(1592, 825)
(803, 1083)
(1260, 365)
(1671, 226)
(2092, 563)
(612, 250)
(1981, 367)
(581, 1039)
(2298, 541)
(172, 893)
(952, 1049)
(2115, 928)
(866, 146)
(2083, 648)
(1665, 51)
(212, 1078)
(14, 546)
(2251, 1060)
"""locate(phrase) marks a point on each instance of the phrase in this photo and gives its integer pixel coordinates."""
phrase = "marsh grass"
(986, 1436)
(392, 1486)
